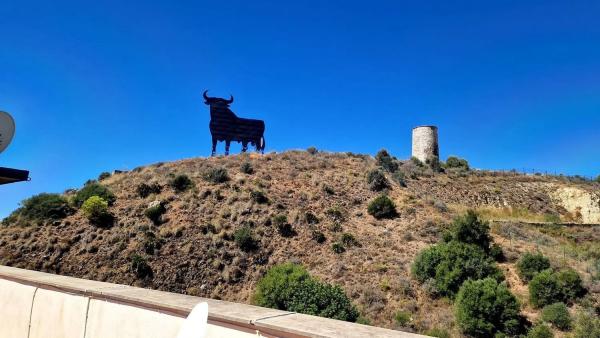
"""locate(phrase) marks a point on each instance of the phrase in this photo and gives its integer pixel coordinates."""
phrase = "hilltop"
(320, 199)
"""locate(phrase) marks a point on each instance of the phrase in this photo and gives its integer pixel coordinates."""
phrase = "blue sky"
(104, 85)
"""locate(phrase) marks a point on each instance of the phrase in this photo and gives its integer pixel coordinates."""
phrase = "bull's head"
(216, 100)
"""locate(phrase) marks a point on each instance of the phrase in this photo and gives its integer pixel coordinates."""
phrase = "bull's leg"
(214, 146)
(227, 144)
(244, 146)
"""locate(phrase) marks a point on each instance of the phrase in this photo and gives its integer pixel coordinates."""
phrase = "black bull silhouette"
(226, 126)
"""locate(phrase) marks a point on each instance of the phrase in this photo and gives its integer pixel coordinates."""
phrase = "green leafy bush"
(587, 325)
(279, 220)
(470, 229)
(140, 267)
(450, 264)
(181, 183)
(377, 181)
(386, 161)
(93, 189)
(382, 207)
(216, 175)
(558, 315)
(243, 238)
(318, 236)
(289, 287)
(540, 331)
(247, 168)
(155, 212)
(338, 247)
(531, 264)
(311, 218)
(402, 318)
(144, 190)
(455, 162)
(548, 287)
(151, 243)
(95, 209)
(40, 208)
(485, 307)
(349, 240)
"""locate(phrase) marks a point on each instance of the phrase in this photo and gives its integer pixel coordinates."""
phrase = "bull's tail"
(262, 144)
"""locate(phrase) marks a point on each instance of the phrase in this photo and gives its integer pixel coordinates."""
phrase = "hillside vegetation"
(350, 225)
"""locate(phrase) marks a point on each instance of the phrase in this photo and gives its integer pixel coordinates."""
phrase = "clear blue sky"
(104, 85)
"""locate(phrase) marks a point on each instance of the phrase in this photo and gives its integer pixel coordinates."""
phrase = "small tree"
(386, 161)
(540, 331)
(531, 264)
(485, 307)
(558, 315)
(382, 207)
(95, 209)
(470, 229)
(570, 283)
(544, 289)
(455, 162)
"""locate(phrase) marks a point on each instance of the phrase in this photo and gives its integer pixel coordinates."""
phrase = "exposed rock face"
(579, 202)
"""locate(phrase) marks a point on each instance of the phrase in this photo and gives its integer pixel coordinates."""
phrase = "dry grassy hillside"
(192, 250)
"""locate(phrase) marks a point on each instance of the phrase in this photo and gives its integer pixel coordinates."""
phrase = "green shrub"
(544, 289)
(338, 247)
(540, 331)
(587, 325)
(286, 230)
(558, 315)
(485, 307)
(258, 197)
(103, 176)
(377, 181)
(280, 220)
(318, 236)
(93, 189)
(402, 318)
(155, 211)
(289, 287)
(216, 175)
(311, 218)
(531, 264)
(144, 190)
(247, 168)
(400, 178)
(386, 161)
(95, 209)
(40, 208)
(312, 150)
(570, 283)
(328, 190)
(450, 264)
(455, 162)
(140, 267)
(243, 238)
(349, 240)
(181, 183)
(382, 207)
(151, 243)
(470, 229)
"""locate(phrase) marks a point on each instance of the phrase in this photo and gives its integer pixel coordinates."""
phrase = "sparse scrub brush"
(144, 190)
(41, 207)
(93, 189)
(382, 207)
(458, 163)
(155, 212)
(140, 267)
(247, 168)
(103, 176)
(181, 183)
(244, 239)
(558, 315)
(258, 197)
(312, 150)
(386, 161)
(216, 175)
(377, 181)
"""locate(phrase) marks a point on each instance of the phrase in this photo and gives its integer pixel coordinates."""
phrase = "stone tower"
(425, 143)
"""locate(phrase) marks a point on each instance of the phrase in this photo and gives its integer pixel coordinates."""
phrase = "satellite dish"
(7, 130)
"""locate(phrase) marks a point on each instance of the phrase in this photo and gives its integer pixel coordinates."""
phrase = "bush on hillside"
(485, 307)
(311, 218)
(470, 229)
(318, 236)
(181, 183)
(103, 176)
(571, 285)
(93, 189)
(96, 211)
(140, 267)
(243, 238)
(382, 207)
(377, 181)
(247, 168)
(458, 163)
(587, 325)
(312, 150)
(40, 208)
(400, 178)
(258, 197)
(548, 287)
(289, 287)
(144, 190)
(558, 315)
(540, 331)
(450, 264)
(155, 212)
(216, 175)
(531, 264)
(387, 162)
(338, 247)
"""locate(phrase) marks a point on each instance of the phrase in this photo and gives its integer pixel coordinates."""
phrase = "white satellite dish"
(7, 130)
(196, 323)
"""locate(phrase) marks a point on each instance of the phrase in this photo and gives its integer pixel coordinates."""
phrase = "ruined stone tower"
(425, 143)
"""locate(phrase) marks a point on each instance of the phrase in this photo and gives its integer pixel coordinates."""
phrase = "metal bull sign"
(226, 126)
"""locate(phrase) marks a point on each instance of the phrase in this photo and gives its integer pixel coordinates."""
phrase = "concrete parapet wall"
(36, 304)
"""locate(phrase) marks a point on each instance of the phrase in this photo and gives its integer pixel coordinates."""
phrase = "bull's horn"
(204, 94)
(230, 99)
